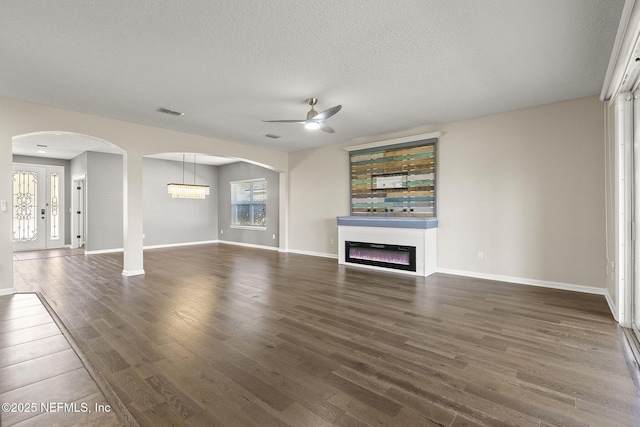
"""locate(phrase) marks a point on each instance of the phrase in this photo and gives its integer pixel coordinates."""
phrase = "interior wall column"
(133, 227)
(6, 241)
(283, 225)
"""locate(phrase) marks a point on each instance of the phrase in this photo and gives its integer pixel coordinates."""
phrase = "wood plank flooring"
(221, 335)
(42, 380)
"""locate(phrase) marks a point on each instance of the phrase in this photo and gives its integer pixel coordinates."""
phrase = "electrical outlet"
(221, 231)
(480, 255)
(274, 237)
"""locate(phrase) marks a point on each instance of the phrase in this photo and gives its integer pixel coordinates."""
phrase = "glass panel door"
(38, 207)
(55, 207)
(29, 221)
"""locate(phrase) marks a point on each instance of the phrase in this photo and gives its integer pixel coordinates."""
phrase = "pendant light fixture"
(188, 191)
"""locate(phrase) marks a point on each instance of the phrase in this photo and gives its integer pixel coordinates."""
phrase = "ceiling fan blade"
(325, 128)
(284, 121)
(327, 113)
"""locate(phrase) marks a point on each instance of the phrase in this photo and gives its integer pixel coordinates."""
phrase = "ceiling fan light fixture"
(170, 112)
(314, 120)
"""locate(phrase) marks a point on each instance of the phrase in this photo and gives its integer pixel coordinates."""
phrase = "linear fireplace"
(380, 255)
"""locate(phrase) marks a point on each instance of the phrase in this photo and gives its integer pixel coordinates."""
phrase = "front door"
(38, 211)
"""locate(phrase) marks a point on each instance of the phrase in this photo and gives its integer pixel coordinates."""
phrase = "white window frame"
(246, 227)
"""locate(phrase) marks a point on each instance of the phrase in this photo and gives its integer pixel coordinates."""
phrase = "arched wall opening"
(219, 216)
(91, 196)
(135, 141)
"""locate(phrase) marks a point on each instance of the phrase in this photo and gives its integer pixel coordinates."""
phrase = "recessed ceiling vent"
(270, 135)
(167, 111)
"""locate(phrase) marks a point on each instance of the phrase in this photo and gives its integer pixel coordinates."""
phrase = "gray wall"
(170, 221)
(166, 220)
(79, 166)
(238, 172)
(67, 185)
(104, 189)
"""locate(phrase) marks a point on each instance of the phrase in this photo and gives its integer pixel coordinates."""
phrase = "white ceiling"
(191, 158)
(59, 145)
(67, 145)
(229, 64)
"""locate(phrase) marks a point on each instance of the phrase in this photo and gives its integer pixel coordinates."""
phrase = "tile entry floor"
(42, 380)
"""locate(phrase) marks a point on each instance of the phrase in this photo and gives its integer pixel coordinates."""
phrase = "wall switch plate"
(3, 205)
(480, 255)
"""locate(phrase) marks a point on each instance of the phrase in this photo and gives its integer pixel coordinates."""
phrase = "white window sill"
(249, 227)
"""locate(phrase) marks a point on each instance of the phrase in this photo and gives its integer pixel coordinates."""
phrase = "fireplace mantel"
(420, 233)
(388, 222)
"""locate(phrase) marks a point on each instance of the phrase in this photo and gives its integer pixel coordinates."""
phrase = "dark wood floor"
(233, 336)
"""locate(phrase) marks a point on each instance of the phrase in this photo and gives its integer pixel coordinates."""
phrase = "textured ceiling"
(67, 145)
(229, 64)
(59, 145)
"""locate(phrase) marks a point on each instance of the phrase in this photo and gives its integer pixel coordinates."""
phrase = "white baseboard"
(132, 273)
(525, 281)
(7, 291)
(249, 245)
(318, 254)
(104, 251)
(169, 245)
(612, 305)
(175, 245)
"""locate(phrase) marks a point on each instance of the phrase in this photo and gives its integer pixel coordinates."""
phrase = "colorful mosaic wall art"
(394, 181)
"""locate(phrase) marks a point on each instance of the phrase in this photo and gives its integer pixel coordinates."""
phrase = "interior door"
(29, 210)
(78, 219)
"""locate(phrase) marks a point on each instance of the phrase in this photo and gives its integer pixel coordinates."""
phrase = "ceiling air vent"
(172, 112)
(270, 135)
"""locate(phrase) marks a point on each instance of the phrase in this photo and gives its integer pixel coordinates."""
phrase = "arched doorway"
(175, 222)
(135, 141)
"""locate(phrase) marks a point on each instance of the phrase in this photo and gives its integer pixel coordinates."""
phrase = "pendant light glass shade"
(188, 191)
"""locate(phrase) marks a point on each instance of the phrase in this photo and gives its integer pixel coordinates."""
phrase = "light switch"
(3, 205)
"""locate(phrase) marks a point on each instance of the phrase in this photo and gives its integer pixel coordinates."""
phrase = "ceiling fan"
(314, 119)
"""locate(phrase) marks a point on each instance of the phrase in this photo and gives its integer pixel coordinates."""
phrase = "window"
(54, 194)
(249, 203)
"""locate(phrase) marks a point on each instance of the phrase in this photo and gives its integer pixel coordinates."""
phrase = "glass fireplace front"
(381, 255)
